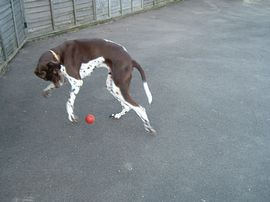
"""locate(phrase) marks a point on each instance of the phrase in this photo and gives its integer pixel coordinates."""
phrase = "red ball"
(90, 119)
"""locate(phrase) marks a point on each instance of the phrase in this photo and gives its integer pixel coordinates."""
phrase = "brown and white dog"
(76, 59)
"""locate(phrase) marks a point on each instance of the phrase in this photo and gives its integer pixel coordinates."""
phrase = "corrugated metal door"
(12, 28)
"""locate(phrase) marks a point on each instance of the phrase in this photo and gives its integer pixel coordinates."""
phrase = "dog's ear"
(54, 66)
(40, 74)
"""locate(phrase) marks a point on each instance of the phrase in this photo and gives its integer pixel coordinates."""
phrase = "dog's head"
(48, 69)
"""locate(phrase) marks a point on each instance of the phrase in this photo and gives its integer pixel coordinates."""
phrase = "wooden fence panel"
(45, 17)
(12, 30)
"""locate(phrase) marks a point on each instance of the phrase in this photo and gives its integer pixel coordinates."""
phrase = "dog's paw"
(73, 118)
(115, 116)
(46, 94)
(151, 130)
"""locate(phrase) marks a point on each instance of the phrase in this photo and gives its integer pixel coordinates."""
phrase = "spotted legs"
(117, 95)
(125, 109)
(127, 103)
(75, 88)
(140, 111)
(47, 91)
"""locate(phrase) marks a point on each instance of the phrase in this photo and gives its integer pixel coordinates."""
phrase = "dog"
(74, 60)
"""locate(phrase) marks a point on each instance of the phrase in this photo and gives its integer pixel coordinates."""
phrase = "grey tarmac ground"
(208, 67)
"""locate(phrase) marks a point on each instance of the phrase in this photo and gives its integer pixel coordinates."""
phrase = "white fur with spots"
(115, 91)
(87, 68)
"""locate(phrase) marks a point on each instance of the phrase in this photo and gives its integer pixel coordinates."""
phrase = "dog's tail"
(145, 85)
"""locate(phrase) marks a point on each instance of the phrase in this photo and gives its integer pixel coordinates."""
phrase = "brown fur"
(75, 52)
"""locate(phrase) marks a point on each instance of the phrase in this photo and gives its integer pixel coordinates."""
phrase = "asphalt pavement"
(208, 67)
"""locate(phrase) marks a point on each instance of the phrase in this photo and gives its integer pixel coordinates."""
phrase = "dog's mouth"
(59, 81)
(56, 79)
(58, 84)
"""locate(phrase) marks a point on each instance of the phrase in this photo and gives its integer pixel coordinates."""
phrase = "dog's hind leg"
(125, 109)
(121, 93)
(140, 111)
(117, 94)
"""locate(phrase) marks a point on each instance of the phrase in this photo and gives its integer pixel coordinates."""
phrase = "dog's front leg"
(47, 91)
(75, 88)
